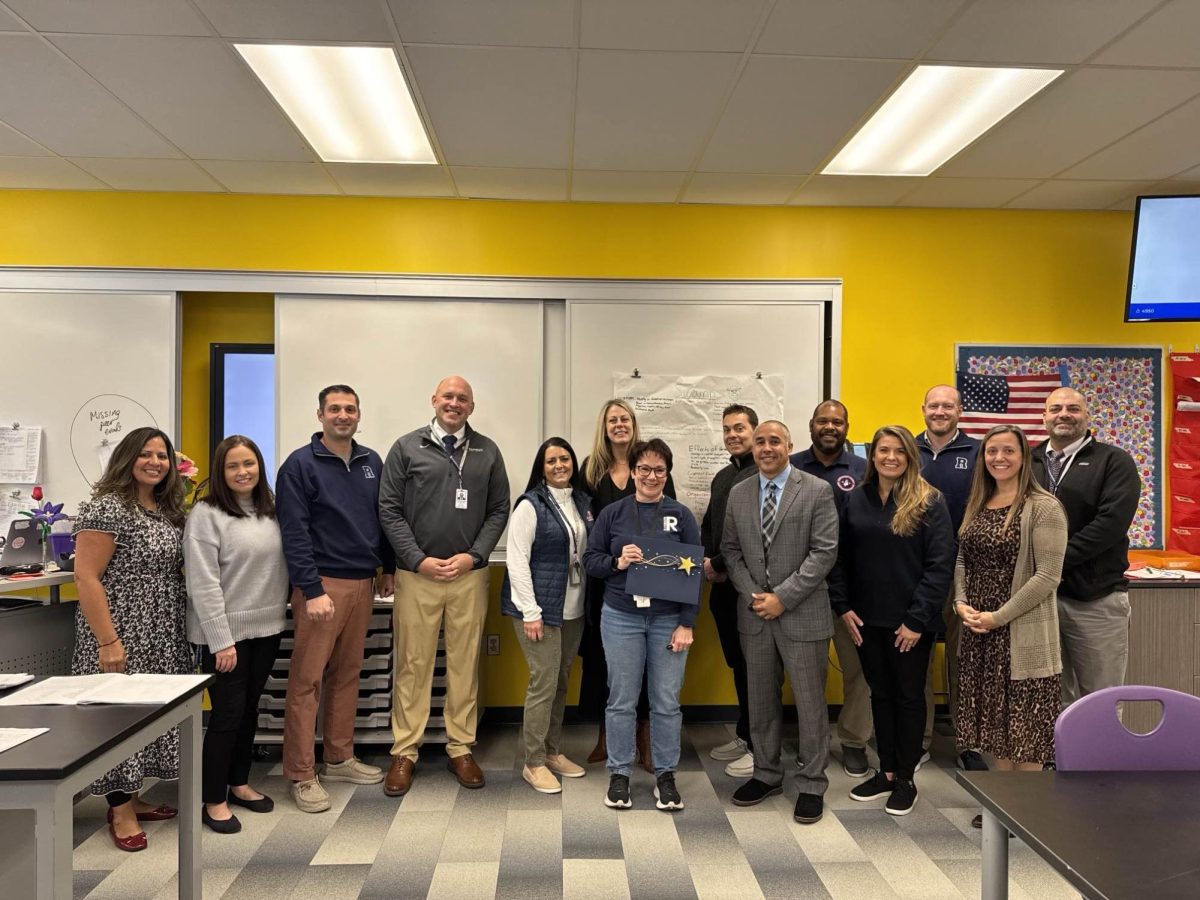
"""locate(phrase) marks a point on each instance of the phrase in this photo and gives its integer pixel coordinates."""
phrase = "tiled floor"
(507, 841)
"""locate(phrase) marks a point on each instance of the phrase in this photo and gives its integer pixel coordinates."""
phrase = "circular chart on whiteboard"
(99, 426)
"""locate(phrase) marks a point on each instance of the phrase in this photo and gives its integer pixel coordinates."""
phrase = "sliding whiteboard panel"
(89, 368)
(684, 337)
(395, 350)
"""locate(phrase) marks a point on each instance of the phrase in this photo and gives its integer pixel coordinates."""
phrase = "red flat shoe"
(158, 814)
(131, 844)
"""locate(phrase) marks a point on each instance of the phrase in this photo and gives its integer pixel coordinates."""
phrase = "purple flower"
(47, 514)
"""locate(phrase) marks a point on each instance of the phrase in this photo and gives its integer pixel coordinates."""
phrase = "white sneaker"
(920, 762)
(735, 749)
(352, 770)
(742, 767)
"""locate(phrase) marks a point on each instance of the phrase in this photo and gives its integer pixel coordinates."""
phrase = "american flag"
(1006, 400)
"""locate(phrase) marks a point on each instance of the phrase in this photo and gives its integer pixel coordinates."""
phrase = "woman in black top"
(896, 562)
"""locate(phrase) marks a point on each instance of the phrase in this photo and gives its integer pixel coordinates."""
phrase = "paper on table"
(9, 680)
(83, 690)
(20, 454)
(10, 737)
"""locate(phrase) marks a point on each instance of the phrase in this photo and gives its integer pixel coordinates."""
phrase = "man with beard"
(830, 459)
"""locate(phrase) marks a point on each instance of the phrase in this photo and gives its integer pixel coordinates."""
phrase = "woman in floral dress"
(129, 573)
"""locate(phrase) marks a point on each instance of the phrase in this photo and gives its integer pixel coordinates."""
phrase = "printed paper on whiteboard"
(20, 454)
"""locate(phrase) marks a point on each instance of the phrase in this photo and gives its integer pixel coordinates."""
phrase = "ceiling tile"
(391, 181)
(47, 98)
(498, 106)
(1167, 38)
(523, 23)
(1163, 148)
(13, 143)
(1077, 115)
(626, 187)
(787, 115)
(1036, 32)
(511, 184)
(722, 187)
(9, 22)
(647, 111)
(45, 173)
(1062, 194)
(1189, 175)
(859, 28)
(981, 192)
(111, 16)
(247, 177)
(150, 174)
(299, 20)
(669, 24)
(193, 90)
(854, 190)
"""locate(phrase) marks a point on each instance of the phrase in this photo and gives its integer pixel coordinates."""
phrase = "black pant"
(593, 681)
(723, 601)
(229, 738)
(897, 683)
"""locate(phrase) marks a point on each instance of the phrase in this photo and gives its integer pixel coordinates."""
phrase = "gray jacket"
(417, 494)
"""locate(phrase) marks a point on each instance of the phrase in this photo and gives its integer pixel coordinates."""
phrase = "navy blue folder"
(671, 571)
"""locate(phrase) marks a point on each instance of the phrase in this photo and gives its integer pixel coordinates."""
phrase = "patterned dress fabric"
(1013, 720)
(146, 599)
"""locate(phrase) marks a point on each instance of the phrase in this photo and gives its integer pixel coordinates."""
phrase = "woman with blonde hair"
(1010, 555)
(895, 562)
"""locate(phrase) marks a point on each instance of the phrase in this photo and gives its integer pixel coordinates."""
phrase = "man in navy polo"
(831, 459)
(948, 463)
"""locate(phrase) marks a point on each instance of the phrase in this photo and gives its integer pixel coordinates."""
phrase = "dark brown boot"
(600, 752)
(645, 758)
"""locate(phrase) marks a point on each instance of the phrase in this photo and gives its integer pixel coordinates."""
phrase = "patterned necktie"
(1054, 465)
(448, 442)
(768, 515)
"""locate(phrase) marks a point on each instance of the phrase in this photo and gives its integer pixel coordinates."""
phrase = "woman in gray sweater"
(237, 599)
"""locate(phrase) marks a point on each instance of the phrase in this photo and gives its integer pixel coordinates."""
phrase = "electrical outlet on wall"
(493, 645)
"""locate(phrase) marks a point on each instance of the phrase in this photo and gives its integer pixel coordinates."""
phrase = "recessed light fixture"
(936, 112)
(351, 103)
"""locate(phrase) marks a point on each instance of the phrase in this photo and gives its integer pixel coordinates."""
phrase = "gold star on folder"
(685, 563)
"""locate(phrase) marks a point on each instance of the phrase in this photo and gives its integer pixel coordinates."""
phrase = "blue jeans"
(633, 643)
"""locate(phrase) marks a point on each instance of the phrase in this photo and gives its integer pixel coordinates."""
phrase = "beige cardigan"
(1031, 611)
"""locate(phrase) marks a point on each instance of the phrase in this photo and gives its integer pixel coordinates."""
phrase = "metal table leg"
(995, 858)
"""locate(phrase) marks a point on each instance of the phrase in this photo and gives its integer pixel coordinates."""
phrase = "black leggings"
(897, 683)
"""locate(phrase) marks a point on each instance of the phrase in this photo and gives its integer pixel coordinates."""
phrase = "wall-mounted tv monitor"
(1164, 267)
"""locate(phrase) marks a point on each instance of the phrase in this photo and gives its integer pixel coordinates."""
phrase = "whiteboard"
(689, 337)
(88, 367)
(395, 350)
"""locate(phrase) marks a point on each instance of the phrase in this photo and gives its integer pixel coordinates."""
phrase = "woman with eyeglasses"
(642, 635)
(606, 476)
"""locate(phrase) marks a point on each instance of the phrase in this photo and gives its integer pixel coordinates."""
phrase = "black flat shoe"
(263, 804)
(977, 822)
(221, 826)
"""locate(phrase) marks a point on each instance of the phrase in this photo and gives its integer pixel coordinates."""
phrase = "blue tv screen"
(1164, 267)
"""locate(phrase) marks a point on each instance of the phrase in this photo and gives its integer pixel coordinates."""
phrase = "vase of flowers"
(44, 516)
(188, 471)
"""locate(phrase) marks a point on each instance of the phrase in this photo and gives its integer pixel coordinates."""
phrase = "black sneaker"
(972, 761)
(903, 799)
(618, 792)
(879, 785)
(809, 808)
(666, 795)
(754, 792)
(854, 761)
(977, 822)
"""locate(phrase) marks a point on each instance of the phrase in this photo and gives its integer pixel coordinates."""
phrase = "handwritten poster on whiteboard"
(99, 425)
(20, 454)
(685, 411)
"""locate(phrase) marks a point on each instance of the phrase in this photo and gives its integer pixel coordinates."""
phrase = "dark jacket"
(950, 471)
(1099, 492)
(843, 476)
(327, 511)
(550, 555)
(887, 579)
(712, 526)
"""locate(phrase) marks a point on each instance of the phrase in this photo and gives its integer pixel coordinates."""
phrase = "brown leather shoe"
(399, 777)
(466, 770)
(600, 752)
(645, 758)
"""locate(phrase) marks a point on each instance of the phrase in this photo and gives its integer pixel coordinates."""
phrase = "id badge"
(460, 498)
(642, 602)
(574, 573)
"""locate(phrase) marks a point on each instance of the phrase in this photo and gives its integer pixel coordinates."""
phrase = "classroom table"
(51, 580)
(1112, 835)
(84, 742)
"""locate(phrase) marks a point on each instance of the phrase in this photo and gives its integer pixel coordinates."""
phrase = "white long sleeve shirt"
(522, 526)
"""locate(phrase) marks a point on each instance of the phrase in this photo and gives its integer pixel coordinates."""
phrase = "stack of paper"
(82, 690)
(10, 737)
(11, 680)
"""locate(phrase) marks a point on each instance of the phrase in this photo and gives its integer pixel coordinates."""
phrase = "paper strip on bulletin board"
(685, 411)
(20, 454)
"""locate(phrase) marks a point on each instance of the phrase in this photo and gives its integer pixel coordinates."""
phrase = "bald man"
(1098, 485)
(443, 502)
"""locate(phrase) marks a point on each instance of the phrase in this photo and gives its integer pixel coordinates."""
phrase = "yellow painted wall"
(915, 283)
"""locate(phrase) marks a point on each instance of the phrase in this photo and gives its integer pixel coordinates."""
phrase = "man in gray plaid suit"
(780, 541)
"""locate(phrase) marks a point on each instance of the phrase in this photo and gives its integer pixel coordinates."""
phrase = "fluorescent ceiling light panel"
(936, 112)
(351, 103)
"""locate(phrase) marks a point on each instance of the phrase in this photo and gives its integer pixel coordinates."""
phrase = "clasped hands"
(446, 569)
(978, 622)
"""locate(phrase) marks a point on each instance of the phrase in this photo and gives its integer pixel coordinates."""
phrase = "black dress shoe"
(220, 826)
(754, 792)
(809, 809)
(263, 804)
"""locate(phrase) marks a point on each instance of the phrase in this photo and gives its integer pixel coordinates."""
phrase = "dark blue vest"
(549, 556)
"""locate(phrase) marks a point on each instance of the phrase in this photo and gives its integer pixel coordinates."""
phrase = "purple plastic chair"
(1088, 736)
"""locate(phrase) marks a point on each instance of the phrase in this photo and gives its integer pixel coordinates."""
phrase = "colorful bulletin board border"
(1124, 387)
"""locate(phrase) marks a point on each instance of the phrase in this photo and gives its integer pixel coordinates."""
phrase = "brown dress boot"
(645, 758)
(600, 752)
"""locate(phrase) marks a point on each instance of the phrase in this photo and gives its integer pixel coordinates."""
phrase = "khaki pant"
(423, 607)
(1095, 643)
(854, 721)
(337, 646)
(549, 663)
